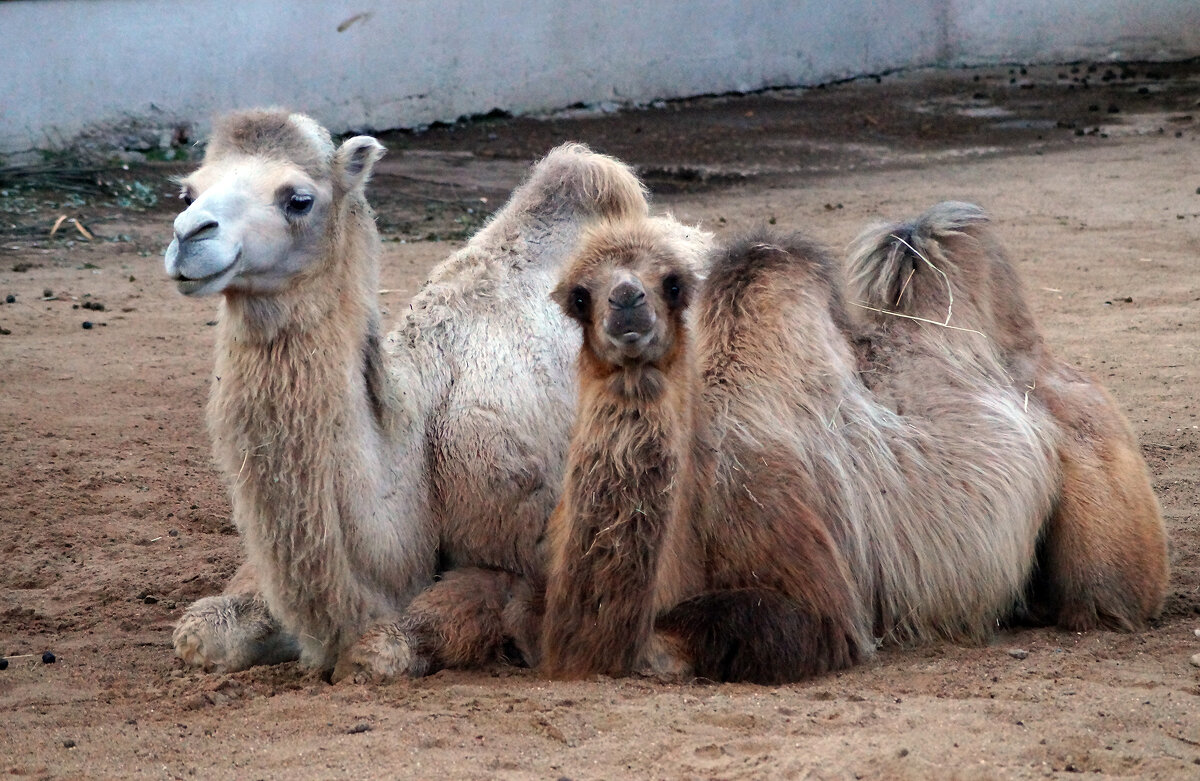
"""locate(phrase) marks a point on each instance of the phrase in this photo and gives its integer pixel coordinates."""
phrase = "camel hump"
(572, 177)
(884, 259)
(759, 272)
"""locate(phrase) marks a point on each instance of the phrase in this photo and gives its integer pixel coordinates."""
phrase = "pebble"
(1018, 653)
(10, 299)
(3, 663)
(68, 743)
(47, 293)
(358, 729)
(1195, 660)
(87, 325)
(49, 658)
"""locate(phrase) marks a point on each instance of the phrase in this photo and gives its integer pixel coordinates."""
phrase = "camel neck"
(298, 418)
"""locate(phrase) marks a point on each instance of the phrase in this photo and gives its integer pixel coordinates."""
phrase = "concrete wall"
(983, 31)
(67, 65)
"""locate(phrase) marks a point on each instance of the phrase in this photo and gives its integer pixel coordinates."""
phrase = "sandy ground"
(112, 517)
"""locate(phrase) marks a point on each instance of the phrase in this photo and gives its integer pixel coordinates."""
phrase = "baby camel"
(619, 545)
(849, 478)
(357, 465)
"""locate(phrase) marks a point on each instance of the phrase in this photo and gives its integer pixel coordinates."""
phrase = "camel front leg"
(233, 631)
(459, 621)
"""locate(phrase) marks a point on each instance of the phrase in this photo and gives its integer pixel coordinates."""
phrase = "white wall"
(1062, 30)
(66, 65)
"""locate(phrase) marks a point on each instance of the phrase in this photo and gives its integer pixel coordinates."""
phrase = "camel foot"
(231, 632)
(664, 658)
(385, 652)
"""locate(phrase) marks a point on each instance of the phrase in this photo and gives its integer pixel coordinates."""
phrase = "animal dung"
(49, 658)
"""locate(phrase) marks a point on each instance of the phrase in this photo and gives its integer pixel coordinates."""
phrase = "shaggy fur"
(614, 537)
(859, 475)
(300, 412)
(1102, 560)
(358, 464)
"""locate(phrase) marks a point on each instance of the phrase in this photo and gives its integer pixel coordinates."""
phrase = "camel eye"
(298, 205)
(580, 302)
(673, 290)
(186, 196)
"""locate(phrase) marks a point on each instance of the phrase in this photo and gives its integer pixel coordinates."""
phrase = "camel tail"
(757, 635)
(884, 259)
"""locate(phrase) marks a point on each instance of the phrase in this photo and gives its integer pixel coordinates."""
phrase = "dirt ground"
(112, 517)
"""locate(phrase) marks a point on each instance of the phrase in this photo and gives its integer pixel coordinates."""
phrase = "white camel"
(358, 467)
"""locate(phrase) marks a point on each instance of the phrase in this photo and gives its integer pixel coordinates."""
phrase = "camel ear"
(354, 160)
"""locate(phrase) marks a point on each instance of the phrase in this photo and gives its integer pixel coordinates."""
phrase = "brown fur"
(1103, 555)
(728, 585)
(881, 470)
(627, 488)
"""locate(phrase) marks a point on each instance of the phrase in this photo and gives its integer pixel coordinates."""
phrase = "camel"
(904, 465)
(357, 465)
(1102, 559)
(627, 487)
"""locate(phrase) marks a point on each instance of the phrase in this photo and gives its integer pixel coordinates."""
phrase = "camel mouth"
(201, 286)
(631, 344)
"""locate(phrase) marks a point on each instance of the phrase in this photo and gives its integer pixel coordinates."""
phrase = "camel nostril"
(626, 296)
(201, 229)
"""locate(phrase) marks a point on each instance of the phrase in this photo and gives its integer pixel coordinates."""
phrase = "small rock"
(1195, 660)
(173, 533)
(3, 663)
(68, 743)
(49, 658)
(10, 299)
(1018, 653)
(87, 325)
(47, 293)
(150, 600)
(358, 729)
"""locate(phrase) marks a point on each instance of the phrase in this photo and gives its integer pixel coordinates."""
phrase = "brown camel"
(907, 465)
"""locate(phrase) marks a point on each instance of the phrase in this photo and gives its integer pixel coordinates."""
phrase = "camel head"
(263, 208)
(628, 286)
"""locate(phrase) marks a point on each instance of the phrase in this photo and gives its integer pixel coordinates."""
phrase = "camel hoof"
(229, 633)
(382, 654)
